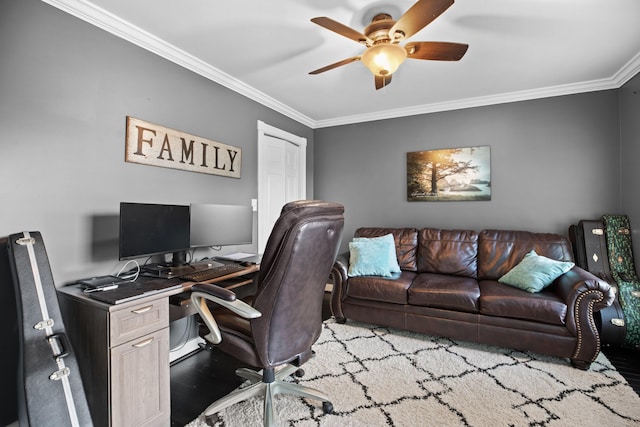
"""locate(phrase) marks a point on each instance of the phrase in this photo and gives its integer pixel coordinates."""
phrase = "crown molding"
(629, 70)
(471, 103)
(111, 23)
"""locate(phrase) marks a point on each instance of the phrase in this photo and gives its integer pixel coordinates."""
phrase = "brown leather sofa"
(448, 286)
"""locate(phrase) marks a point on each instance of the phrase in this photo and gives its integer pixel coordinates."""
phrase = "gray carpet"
(381, 377)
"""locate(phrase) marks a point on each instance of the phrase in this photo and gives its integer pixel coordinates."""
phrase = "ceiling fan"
(382, 38)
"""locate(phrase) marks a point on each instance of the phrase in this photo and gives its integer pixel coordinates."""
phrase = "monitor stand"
(157, 270)
(167, 271)
(179, 258)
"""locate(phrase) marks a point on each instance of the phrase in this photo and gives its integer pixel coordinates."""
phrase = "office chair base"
(268, 390)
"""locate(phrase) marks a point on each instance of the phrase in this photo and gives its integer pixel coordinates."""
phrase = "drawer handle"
(142, 310)
(144, 343)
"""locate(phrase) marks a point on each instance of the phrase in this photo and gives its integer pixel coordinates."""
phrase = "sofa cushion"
(406, 240)
(500, 250)
(501, 300)
(535, 272)
(445, 291)
(369, 258)
(452, 252)
(392, 290)
(389, 246)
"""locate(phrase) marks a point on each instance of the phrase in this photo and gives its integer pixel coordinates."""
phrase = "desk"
(123, 351)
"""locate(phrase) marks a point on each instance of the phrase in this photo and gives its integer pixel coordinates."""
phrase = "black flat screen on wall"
(152, 229)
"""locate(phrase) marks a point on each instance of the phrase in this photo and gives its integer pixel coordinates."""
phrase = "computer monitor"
(221, 225)
(152, 229)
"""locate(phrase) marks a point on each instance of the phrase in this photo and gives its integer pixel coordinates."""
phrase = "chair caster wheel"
(211, 420)
(299, 373)
(327, 407)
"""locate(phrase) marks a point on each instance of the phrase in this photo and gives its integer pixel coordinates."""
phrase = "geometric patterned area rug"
(378, 376)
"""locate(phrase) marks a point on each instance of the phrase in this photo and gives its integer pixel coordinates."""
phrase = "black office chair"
(283, 320)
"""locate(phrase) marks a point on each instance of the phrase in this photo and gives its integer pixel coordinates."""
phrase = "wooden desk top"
(76, 292)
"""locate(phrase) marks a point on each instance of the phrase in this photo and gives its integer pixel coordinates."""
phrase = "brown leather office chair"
(283, 320)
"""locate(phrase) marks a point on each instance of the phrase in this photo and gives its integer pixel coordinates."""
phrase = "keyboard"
(212, 273)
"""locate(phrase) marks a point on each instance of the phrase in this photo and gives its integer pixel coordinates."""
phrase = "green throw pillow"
(394, 267)
(369, 258)
(535, 272)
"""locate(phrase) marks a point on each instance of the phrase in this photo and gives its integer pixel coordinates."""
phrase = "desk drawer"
(140, 382)
(136, 321)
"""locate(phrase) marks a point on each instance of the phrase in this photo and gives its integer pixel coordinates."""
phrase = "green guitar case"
(622, 266)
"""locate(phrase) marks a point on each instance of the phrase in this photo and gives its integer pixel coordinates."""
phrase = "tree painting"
(449, 174)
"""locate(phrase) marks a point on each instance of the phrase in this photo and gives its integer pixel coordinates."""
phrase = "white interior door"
(281, 175)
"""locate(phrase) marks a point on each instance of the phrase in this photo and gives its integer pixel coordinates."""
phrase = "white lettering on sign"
(155, 145)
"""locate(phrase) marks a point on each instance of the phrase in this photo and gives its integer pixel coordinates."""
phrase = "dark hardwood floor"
(203, 377)
(198, 380)
(627, 362)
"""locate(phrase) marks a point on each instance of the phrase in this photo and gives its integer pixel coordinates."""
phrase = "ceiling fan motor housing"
(378, 30)
(384, 56)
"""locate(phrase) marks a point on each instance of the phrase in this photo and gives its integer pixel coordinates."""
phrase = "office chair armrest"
(214, 290)
(201, 293)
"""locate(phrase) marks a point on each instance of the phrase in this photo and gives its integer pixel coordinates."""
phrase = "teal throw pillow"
(535, 272)
(388, 240)
(369, 258)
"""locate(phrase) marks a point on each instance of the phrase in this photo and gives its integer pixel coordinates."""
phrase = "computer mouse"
(246, 263)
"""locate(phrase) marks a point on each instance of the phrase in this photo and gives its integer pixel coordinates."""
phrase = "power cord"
(132, 276)
(112, 282)
(213, 248)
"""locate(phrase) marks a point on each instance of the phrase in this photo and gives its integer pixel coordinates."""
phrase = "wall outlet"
(254, 205)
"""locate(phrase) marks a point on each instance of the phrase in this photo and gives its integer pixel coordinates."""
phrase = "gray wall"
(629, 158)
(65, 90)
(553, 162)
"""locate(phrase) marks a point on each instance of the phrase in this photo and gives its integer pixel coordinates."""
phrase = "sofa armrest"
(584, 294)
(340, 278)
(573, 284)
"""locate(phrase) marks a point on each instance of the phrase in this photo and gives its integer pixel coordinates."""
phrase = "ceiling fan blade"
(341, 29)
(419, 16)
(436, 51)
(382, 81)
(335, 65)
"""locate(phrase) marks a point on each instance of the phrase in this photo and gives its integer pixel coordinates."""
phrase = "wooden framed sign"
(151, 144)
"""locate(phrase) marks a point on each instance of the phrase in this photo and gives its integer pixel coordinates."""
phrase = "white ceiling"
(264, 49)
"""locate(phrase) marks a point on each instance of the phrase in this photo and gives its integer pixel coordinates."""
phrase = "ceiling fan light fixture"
(384, 59)
(382, 37)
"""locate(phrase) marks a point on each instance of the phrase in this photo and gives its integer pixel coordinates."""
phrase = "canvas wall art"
(451, 174)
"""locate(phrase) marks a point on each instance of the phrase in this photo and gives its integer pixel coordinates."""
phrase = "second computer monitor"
(221, 225)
